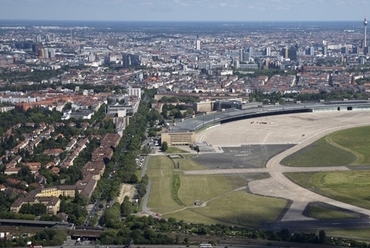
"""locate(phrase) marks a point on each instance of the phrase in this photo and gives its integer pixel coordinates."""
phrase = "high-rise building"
(46, 53)
(241, 52)
(310, 51)
(267, 51)
(38, 38)
(366, 50)
(365, 26)
(198, 46)
(134, 92)
(40, 52)
(292, 53)
(250, 50)
(243, 55)
(324, 50)
(52, 52)
(362, 60)
(284, 52)
(129, 60)
(355, 50)
(236, 64)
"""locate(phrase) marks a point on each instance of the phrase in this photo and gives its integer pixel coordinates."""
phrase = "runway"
(301, 129)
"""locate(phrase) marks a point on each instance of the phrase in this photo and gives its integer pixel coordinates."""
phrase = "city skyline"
(184, 10)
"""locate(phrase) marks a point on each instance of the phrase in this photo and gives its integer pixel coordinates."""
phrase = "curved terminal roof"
(196, 123)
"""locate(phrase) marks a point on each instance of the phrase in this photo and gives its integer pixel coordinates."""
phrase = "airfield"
(281, 135)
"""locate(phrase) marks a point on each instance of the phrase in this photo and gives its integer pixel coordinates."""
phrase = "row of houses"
(92, 171)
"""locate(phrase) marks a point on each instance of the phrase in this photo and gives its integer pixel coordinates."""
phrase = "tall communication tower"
(365, 26)
(71, 37)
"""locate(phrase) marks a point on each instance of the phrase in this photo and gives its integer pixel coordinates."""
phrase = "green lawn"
(321, 212)
(188, 164)
(222, 205)
(357, 141)
(235, 208)
(160, 172)
(345, 147)
(352, 187)
(173, 149)
(319, 153)
(202, 188)
(356, 234)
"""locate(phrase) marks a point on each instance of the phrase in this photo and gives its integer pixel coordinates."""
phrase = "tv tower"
(365, 26)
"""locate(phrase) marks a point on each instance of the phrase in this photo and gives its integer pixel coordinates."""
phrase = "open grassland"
(160, 172)
(356, 234)
(326, 212)
(235, 208)
(319, 153)
(173, 149)
(345, 147)
(352, 187)
(189, 164)
(223, 199)
(202, 188)
(356, 140)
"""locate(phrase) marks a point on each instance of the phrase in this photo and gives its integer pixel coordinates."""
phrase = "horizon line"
(177, 21)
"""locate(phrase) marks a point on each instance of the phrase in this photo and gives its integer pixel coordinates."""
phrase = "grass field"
(173, 149)
(357, 234)
(325, 212)
(224, 198)
(355, 140)
(160, 172)
(351, 187)
(235, 208)
(319, 153)
(188, 163)
(345, 147)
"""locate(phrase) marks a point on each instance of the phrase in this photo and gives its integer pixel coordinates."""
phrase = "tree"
(112, 216)
(322, 237)
(126, 207)
(146, 150)
(50, 237)
(134, 179)
(164, 146)
(35, 209)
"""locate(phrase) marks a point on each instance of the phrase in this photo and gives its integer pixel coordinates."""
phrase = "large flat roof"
(200, 120)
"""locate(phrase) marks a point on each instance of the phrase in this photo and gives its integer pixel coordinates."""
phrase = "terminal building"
(178, 138)
(184, 132)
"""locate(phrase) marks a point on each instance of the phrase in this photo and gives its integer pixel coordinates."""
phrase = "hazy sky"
(186, 10)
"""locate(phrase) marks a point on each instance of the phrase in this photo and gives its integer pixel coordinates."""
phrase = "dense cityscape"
(83, 103)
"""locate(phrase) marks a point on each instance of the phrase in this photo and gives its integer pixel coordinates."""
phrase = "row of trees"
(124, 155)
(36, 115)
(148, 230)
(176, 111)
(175, 99)
(277, 97)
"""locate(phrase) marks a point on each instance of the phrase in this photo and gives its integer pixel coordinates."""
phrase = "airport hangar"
(184, 131)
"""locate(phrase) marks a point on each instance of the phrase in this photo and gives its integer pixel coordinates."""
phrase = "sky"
(185, 10)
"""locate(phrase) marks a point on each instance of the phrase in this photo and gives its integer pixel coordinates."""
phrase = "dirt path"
(126, 190)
